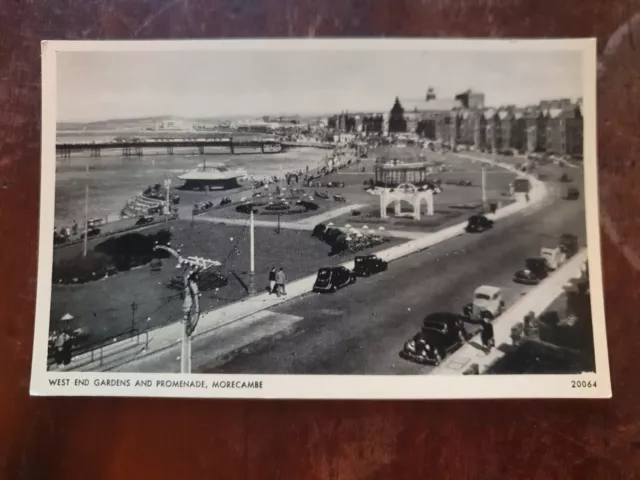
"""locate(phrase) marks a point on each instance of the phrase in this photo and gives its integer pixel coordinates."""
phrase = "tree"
(397, 122)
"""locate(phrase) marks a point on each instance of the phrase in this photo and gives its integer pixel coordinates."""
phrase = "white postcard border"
(44, 382)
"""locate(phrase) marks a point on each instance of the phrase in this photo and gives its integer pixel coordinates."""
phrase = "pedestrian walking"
(74, 228)
(280, 282)
(488, 340)
(272, 280)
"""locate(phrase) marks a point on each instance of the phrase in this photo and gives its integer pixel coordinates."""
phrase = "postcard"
(303, 218)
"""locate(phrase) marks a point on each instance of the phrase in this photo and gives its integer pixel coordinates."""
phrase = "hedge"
(115, 254)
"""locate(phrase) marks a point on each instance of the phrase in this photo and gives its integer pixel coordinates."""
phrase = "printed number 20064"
(583, 384)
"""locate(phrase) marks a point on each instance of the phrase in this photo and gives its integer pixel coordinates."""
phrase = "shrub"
(339, 245)
(318, 230)
(81, 269)
(330, 235)
(309, 206)
(134, 249)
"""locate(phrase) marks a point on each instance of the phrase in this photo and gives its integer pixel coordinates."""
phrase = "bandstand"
(401, 166)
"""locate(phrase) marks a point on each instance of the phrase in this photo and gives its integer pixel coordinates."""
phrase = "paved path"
(304, 224)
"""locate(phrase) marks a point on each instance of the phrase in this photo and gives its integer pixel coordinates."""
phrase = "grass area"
(104, 308)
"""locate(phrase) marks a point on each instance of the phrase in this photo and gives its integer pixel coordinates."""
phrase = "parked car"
(573, 193)
(368, 265)
(565, 178)
(487, 303)
(93, 232)
(554, 257)
(569, 244)
(535, 271)
(145, 220)
(478, 223)
(330, 279)
(440, 335)
(155, 265)
(207, 280)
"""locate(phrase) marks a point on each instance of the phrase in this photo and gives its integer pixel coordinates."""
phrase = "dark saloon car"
(535, 271)
(93, 232)
(330, 279)
(478, 223)
(207, 280)
(441, 334)
(573, 193)
(145, 220)
(368, 265)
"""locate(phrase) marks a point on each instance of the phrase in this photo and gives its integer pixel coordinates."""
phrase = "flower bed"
(351, 242)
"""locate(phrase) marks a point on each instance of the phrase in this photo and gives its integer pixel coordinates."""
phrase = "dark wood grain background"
(106, 438)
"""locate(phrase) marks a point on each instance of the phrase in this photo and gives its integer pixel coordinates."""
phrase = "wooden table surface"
(107, 438)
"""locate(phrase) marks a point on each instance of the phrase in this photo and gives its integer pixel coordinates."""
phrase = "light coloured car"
(487, 303)
(554, 257)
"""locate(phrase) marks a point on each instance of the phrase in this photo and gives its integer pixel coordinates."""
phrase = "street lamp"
(191, 304)
(484, 189)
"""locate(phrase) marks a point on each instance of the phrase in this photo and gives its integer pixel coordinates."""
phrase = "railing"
(96, 351)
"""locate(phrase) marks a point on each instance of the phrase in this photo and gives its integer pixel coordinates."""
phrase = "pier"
(136, 148)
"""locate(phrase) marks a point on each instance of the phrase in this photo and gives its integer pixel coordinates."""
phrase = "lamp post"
(134, 307)
(86, 212)
(484, 188)
(252, 266)
(167, 187)
(191, 304)
(252, 263)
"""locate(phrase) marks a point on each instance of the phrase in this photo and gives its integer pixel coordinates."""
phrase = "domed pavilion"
(396, 166)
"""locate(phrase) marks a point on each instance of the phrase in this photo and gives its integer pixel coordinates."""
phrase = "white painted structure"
(409, 193)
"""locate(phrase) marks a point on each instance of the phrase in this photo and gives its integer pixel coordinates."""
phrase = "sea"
(114, 179)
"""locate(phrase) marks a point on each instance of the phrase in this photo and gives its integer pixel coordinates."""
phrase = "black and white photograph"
(320, 219)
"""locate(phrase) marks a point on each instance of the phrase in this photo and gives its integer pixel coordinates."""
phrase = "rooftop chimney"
(431, 94)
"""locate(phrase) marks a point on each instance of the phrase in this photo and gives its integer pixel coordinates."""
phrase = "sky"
(200, 84)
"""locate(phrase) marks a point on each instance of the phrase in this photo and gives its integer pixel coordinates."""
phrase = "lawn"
(111, 306)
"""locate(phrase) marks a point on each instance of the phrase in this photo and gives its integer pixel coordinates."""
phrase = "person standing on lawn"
(280, 281)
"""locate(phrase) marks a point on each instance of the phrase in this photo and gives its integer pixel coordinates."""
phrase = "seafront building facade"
(551, 126)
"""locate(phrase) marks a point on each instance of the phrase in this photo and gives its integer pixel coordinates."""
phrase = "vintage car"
(441, 334)
(368, 265)
(573, 193)
(487, 303)
(535, 271)
(144, 220)
(565, 178)
(330, 279)
(478, 223)
(93, 232)
(569, 244)
(155, 265)
(554, 257)
(207, 280)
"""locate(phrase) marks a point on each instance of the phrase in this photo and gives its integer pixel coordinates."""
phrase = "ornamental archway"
(409, 193)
